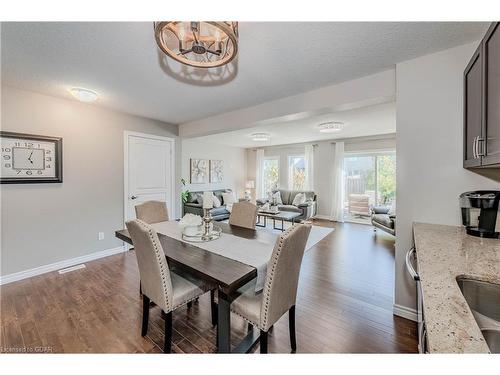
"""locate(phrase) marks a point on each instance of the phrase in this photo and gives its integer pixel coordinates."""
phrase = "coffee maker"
(480, 214)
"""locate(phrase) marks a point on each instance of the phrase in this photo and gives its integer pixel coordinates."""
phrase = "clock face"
(27, 159)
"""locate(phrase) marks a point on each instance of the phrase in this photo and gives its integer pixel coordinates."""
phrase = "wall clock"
(28, 158)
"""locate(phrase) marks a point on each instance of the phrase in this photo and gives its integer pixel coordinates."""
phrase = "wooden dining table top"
(228, 274)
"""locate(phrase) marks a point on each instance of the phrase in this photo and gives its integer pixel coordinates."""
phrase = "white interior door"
(149, 171)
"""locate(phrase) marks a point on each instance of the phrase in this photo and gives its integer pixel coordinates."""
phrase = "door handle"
(134, 197)
(480, 146)
(474, 154)
(409, 267)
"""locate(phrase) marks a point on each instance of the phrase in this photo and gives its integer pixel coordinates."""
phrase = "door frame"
(126, 134)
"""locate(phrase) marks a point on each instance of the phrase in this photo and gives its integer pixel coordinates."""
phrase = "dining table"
(223, 273)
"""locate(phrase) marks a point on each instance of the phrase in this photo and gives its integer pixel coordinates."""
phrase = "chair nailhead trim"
(162, 270)
(267, 288)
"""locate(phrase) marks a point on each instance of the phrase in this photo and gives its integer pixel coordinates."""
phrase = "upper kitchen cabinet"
(491, 102)
(482, 103)
(473, 121)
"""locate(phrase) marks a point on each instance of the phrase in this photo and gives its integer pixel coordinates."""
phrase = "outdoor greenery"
(271, 175)
(387, 178)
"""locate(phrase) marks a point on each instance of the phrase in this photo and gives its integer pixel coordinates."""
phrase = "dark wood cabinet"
(491, 105)
(473, 122)
(482, 103)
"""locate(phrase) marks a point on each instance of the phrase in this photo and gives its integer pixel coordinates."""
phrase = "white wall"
(430, 176)
(234, 159)
(323, 159)
(48, 223)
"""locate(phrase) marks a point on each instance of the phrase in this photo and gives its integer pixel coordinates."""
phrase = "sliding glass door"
(369, 180)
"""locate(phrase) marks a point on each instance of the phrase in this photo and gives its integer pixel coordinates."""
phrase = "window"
(271, 175)
(296, 172)
(369, 180)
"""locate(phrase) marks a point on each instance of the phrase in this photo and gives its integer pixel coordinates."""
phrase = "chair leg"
(213, 308)
(291, 324)
(189, 304)
(167, 345)
(145, 315)
(263, 342)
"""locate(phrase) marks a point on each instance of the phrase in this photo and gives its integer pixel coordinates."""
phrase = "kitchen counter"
(443, 254)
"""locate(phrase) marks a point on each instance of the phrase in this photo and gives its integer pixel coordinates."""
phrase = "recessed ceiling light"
(331, 127)
(84, 95)
(261, 137)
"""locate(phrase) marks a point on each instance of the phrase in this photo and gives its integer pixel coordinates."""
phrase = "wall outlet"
(101, 236)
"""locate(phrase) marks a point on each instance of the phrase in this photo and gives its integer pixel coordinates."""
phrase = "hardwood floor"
(344, 305)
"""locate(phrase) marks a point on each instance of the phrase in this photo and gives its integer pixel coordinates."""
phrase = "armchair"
(381, 218)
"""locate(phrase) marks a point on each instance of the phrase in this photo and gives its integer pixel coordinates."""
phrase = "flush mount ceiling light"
(204, 44)
(331, 127)
(84, 95)
(261, 137)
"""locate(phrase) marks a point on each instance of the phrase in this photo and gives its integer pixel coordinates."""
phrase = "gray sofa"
(194, 205)
(383, 220)
(306, 210)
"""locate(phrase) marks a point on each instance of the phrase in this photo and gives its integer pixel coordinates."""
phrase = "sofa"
(306, 210)
(194, 205)
(381, 218)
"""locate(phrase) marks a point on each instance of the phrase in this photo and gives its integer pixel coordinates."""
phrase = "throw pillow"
(277, 198)
(199, 198)
(299, 199)
(216, 201)
(228, 199)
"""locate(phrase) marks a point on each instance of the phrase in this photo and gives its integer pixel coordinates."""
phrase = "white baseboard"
(405, 312)
(322, 217)
(58, 265)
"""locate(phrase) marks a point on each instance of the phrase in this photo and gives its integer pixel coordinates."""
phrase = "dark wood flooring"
(344, 305)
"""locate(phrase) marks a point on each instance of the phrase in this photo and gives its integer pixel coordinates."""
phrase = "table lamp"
(250, 184)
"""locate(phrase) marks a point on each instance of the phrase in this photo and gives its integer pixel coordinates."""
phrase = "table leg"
(258, 224)
(224, 323)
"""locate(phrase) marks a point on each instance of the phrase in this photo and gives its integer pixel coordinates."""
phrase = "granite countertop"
(443, 254)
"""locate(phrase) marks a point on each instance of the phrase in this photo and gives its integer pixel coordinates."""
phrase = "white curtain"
(309, 162)
(259, 174)
(337, 192)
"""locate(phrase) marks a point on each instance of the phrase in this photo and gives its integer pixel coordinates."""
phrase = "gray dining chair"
(167, 289)
(243, 214)
(152, 212)
(280, 289)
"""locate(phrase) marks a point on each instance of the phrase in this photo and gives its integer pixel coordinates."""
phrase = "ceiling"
(366, 121)
(121, 62)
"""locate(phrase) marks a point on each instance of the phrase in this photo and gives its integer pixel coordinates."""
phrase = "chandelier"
(204, 44)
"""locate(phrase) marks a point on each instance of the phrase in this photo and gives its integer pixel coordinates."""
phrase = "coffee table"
(280, 216)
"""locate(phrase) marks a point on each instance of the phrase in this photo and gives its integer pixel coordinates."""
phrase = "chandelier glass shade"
(204, 44)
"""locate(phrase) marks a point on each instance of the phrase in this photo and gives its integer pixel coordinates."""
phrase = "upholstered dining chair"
(280, 289)
(152, 212)
(243, 214)
(160, 285)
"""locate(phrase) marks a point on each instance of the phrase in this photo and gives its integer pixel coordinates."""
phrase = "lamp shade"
(250, 184)
(208, 201)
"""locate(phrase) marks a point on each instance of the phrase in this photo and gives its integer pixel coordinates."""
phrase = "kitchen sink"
(484, 301)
